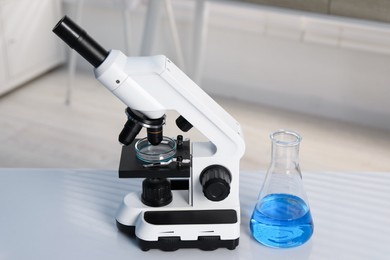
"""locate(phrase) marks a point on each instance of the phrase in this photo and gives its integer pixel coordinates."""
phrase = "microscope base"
(173, 243)
(178, 225)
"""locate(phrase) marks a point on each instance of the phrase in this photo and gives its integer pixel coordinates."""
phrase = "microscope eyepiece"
(80, 41)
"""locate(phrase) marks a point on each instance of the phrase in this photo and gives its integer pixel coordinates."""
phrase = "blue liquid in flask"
(281, 220)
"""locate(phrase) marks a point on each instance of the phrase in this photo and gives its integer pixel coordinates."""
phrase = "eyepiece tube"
(80, 41)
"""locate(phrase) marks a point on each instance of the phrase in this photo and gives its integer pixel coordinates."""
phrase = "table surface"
(70, 214)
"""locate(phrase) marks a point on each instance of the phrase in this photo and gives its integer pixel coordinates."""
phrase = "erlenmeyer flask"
(282, 217)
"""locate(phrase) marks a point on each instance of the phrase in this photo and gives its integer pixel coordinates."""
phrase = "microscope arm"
(154, 84)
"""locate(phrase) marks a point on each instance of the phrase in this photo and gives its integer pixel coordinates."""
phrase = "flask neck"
(285, 156)
(285, 149)
(284, 175)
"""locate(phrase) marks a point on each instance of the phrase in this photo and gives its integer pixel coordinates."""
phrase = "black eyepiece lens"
(80, 41)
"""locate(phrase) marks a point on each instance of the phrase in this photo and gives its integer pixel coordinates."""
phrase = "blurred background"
(319, 67)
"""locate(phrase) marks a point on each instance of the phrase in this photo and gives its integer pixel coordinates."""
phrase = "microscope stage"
(131, 167)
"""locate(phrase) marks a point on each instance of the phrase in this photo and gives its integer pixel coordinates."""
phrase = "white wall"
(337, 68)
(311, 78)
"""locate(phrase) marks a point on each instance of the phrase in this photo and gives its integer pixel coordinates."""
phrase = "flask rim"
(278, 137)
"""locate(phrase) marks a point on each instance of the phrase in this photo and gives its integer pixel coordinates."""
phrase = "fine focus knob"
(156, 192)
(215, 180)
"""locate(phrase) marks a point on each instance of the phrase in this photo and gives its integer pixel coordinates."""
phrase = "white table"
(70, 214)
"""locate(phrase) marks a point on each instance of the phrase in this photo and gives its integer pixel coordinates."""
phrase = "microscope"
(190, 191)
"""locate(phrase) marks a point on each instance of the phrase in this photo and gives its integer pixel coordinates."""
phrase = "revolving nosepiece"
(135, 121)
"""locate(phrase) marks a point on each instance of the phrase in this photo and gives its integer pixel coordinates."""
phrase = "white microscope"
(190, 192)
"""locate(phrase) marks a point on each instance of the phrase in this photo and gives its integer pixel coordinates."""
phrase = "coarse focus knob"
(156, 192)
(215, 180)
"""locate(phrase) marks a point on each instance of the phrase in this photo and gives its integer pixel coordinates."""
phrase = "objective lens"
(155, 135)
(129, 132)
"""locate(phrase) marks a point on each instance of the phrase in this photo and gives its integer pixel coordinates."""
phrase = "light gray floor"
(38, 130)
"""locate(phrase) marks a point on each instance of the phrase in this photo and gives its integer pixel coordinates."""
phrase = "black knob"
(183, 124)
(156, 192)
(215, 180)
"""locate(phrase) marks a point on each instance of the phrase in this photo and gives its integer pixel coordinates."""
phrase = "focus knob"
(215, 180)
(183, 124)
(156, 192)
